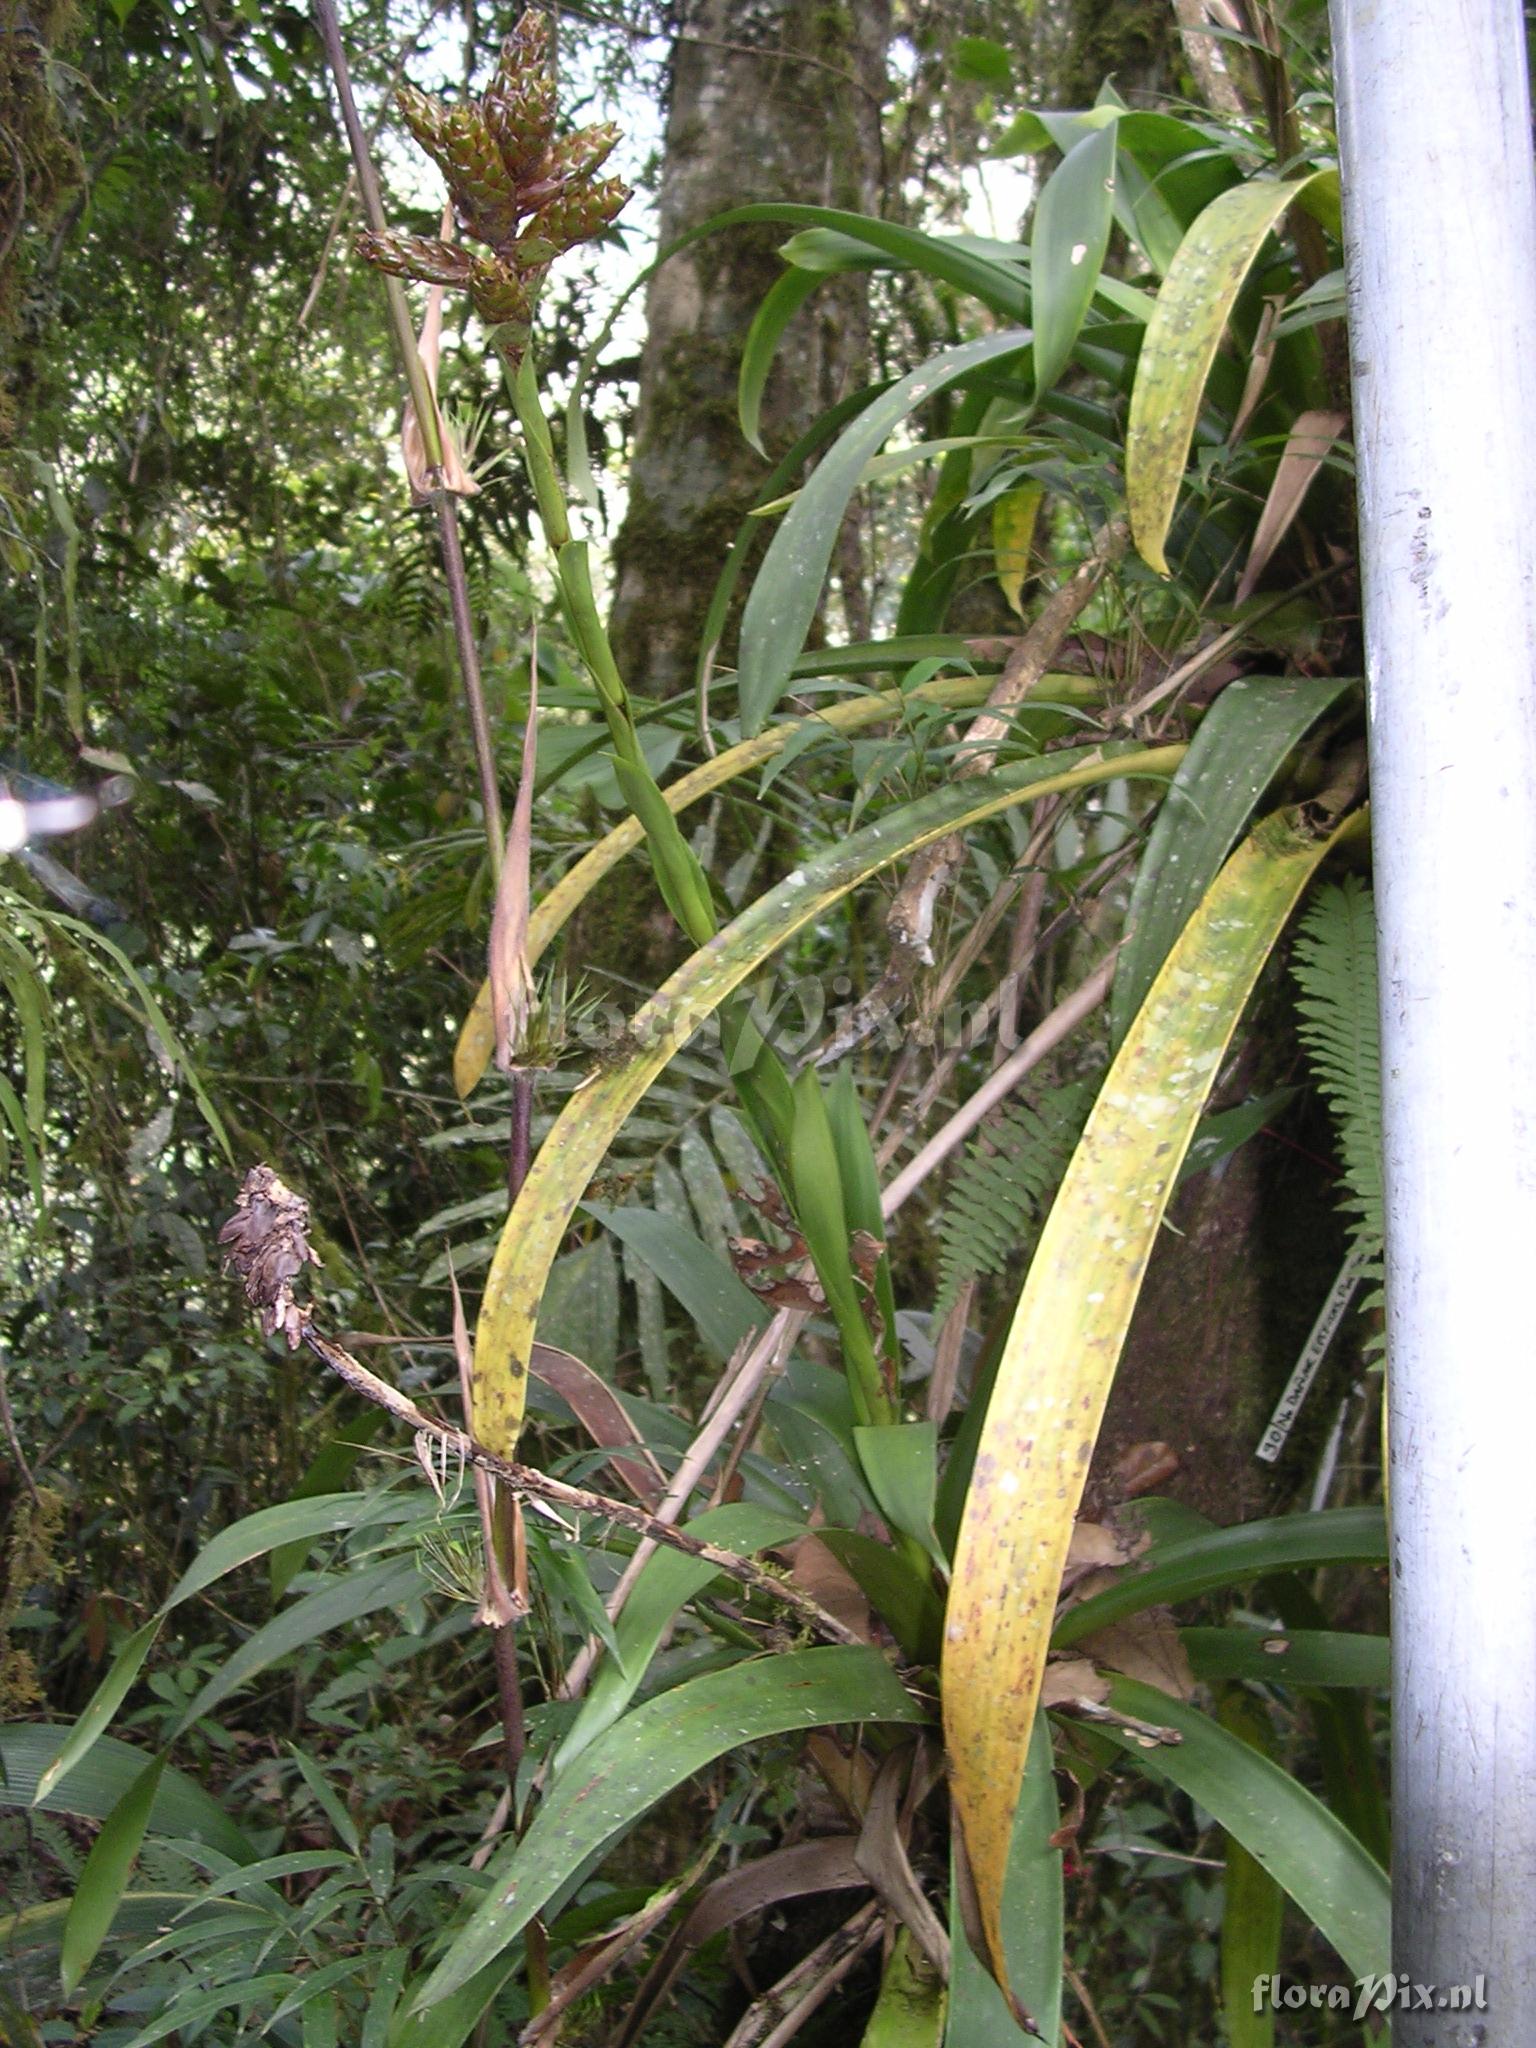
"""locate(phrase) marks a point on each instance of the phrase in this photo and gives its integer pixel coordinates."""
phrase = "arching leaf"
(104, 1879)
(788, 586)
(1180, 346)
(1307, 1850)
(1071, 233)
(570, 1156)
(1241, 745)
(1059, 1360)
(640, 1759)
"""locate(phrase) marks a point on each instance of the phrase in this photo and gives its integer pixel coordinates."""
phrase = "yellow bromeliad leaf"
(575, 1148)
(1013, 535)
(1182, 337)
(1070, 1325)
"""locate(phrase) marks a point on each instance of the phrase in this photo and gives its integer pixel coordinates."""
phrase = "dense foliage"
(1109, 627)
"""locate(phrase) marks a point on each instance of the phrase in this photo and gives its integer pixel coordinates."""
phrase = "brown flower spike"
(515, 187)
(266, 1242)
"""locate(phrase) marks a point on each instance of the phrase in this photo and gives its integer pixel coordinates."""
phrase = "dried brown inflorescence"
(526, 194)
(266, 1242)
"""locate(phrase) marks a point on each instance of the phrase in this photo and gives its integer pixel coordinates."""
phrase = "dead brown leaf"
(1072, 1681)
(1145, 1646)
(1306, 449)
(831, 1585)
(821, 1866)
(1142, 1467)
(602, 1415)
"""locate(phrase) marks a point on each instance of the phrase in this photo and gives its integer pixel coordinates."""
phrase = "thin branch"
(1090, 2010)
(1007, 990)
(8, 1422)
(538, 1486)
(733, 1397)
(778, 2015)
(469, 663)
(403, 54)
(1190, 671)
(1066, 1016)
(910, 919)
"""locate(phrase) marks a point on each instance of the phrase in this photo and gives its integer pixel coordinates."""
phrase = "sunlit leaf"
(1067, 1333)
(1180, 346)
(1033, 1925)
(1014, 515)
(533, 1233)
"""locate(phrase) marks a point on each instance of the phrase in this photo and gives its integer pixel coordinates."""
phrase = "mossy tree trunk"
(769, 99)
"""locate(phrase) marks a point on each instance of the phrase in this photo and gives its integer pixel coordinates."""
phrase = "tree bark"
(770, 99)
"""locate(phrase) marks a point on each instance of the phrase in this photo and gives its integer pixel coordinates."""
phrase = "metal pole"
(1440, 232)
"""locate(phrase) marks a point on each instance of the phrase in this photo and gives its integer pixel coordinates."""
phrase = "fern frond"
(1335, 968)
(996, 1202)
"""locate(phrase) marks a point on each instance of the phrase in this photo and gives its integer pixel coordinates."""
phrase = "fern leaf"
(995, 1204)
(1335, 968)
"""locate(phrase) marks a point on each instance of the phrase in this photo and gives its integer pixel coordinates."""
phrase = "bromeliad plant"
(955, 1548)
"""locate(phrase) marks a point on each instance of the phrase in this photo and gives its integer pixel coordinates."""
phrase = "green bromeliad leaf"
(637, 1761)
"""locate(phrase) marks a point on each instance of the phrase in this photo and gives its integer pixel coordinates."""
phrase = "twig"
(1066, 1016)
(317, 282)
(779, 2014)
(343, 205)
(1189, 671)
(1037, 649)
(733, 1399)
(1080, 1992)
(457, 579)
(1008, 989)
(532, 1485)
(910, 918)
(8, 1421)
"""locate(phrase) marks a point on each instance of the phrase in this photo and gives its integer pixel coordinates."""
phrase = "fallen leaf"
(1147, 1646)
(1072, 1681)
